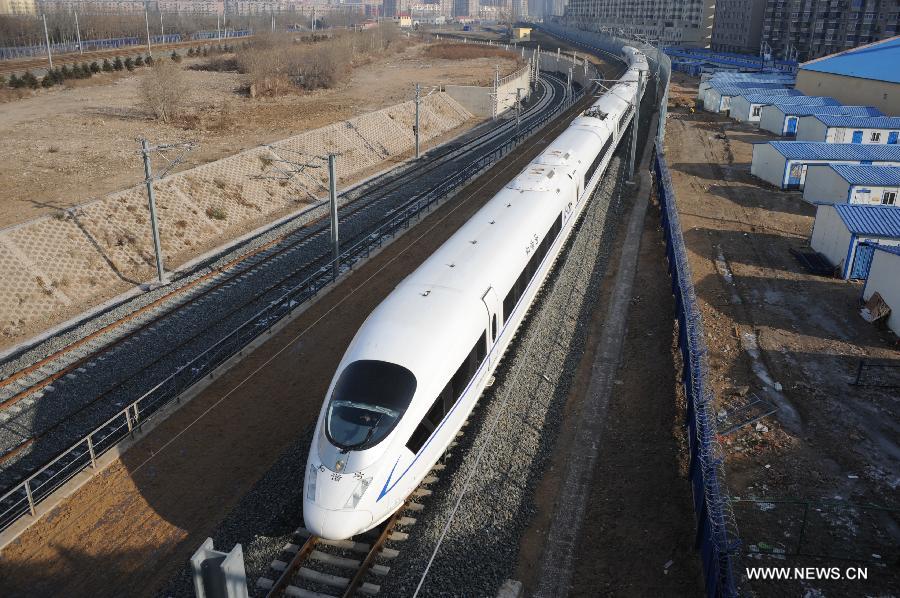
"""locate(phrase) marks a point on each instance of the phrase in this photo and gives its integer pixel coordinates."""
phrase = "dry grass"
(467, 52)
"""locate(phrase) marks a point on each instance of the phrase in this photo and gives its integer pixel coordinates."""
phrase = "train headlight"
(358, 492)
(311, 482)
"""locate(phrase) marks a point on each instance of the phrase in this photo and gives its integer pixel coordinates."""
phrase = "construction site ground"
(815, 483)
(64, 146)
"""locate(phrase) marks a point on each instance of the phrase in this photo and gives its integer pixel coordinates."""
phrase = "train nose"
(334, 525)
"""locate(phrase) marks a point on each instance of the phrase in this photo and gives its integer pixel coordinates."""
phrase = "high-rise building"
(807, 29)
(672, 22)
(738, 25)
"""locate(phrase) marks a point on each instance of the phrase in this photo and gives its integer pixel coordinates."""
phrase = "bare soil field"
(61, 147)
(815, 483)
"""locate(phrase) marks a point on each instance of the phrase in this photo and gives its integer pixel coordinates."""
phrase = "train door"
(492, 305)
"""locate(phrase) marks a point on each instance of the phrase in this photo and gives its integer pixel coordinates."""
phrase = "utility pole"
(635, 124)
(332, 192)
(151, 198)
(147, 23)
(518, 111)
(78, 33)
(47, 39)
(162, 30)
(218, 28)
(569, 84)
(416, 127)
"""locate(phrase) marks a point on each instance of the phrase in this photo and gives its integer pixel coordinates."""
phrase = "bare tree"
(163, 90)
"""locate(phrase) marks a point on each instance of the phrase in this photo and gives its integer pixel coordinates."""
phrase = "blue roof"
(802, 110)
(880, 221)
(865, 174)
(748, 84)
(895, 249)
(806, 101)
(874, 61)
(739, 91)
(860, 122)
(768, 98)
(814, 150)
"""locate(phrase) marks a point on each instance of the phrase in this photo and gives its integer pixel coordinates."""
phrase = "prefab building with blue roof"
(868, 75)
(783, 118)
(747, 107)
(845, 235)
(785, 163)
(839, 128)
(718, 97)
(853, 184)
(884, 279)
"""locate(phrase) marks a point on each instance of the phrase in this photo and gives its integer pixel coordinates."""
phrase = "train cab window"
(494, 327)
(368, 400)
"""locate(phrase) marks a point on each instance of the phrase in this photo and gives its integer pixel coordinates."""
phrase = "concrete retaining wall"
(57, 266)
(476, 100)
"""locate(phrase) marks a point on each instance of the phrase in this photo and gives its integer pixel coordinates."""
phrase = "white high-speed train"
(418, 364)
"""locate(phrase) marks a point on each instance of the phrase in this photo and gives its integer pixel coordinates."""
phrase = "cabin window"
(757, 110)
(449, 395)
(889, 198)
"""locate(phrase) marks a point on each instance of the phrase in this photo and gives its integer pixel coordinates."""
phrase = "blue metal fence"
(716, 536)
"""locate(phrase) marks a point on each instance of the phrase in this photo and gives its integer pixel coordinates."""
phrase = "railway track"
(48, 415)
(21, 65)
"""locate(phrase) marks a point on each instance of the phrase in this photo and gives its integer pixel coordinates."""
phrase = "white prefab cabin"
(785, 163)
(884, 279)
(782, 118)
(835, 128)
(854, 184)
(845, 234)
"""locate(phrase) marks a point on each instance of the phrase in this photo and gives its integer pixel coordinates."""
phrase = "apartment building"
(674, 22)
(738, 25)
(808, 29)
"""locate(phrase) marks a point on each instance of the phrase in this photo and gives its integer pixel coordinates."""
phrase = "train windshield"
(369, 399)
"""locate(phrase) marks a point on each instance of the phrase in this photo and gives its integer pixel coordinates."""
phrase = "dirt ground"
(61, 147)
(124, 532)
(631, 543)
(814, 484)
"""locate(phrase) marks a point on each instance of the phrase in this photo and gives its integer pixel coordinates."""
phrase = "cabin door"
(492, 306)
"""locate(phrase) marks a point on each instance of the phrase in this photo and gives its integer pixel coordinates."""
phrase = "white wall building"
(748, 107)
(785, 163)
(845, 235)
(783, 119)
(850, 183)
(718, 97)
(836, 128)
(884, 279)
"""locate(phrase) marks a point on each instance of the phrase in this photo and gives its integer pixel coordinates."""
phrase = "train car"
(420, 361)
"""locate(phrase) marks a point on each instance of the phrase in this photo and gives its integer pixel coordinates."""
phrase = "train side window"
(418, 439)
(479, 351)
(509, 303)
(494, 327)
(447, 397)
(435, 414)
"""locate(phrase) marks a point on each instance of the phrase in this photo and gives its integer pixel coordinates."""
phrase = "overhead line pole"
(151, 198)
(332, 192)
(147, 23)
(78, 33)
(47, 39)
(416, 127)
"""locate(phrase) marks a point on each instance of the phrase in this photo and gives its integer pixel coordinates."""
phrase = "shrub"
(176, 57)
(66, 72)
(86, 70)
(2, 80)
(57, 76)
(205, 52)
(149, 60)
(30, 80)
(95, 68)
(163, 90)
(191, 52)
(48, 80)
(129, 63)
(139, 61)
(118, 64)
(107, 66)
(216, 213)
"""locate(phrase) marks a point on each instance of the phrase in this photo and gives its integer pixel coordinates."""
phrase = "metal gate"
(862, 260)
